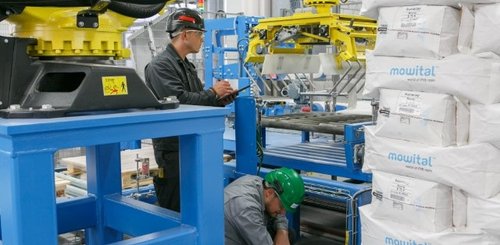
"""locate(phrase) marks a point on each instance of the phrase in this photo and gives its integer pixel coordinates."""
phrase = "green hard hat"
(289, 186)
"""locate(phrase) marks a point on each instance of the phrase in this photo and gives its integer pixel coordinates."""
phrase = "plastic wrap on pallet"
(418, 31)
(483, 214)
(473, 168)
(421, 204)
(486, 36)
(428, 118)
(461, 75)
(392, 232)
(485, 124)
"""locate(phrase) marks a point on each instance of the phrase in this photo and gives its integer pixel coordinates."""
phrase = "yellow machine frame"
(350, 34)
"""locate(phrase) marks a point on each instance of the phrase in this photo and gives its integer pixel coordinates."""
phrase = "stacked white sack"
(370, 8)
(375, 231)
(484, 214)
(460, 75)
(459, 209)
(486, 36)
(422, 205)
(472, 168)
(427, 118)
(485, 124)
(417, 31)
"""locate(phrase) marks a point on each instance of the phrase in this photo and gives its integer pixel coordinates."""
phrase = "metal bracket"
(89, 18)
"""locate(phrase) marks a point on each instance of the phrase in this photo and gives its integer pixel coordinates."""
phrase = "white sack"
(461, 75)
(417, 31)
(466, 29)
(459, 209)
(420, 117)
(421, 204)
(486, 37)
(472, 168)
(485, 124)
(384, 232)
(290, 63)
(370, 7)
(484, 214)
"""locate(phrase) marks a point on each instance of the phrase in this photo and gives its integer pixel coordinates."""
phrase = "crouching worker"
(254, 208)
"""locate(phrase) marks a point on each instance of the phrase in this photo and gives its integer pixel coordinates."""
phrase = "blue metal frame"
(245, 118)
(216, 30)
(221, 69)
(27, 147)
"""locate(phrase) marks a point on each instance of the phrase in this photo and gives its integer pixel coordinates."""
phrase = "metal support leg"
(103, 178)
(246, 142)
(28, 191)
(201, 172)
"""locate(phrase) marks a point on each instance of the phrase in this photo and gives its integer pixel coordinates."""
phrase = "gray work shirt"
(245, 217)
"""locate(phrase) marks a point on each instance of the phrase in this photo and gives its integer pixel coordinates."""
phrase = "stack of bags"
(435, 150)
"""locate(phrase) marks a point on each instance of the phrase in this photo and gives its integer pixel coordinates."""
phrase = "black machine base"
(41, 89)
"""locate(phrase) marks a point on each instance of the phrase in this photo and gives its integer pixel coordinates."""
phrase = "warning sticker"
(115, 85)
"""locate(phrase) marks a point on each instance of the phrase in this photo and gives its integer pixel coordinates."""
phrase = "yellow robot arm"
(73, 31)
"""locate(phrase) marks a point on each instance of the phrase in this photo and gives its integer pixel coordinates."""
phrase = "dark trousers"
(167, 188)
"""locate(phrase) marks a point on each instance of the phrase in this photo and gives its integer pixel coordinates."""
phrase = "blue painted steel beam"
(201, 159)
(127, 215)
(103, 180)
(68, 219)
(177, 236)
(246, 130)
(26, 171)
(27, 188)
(335, 170)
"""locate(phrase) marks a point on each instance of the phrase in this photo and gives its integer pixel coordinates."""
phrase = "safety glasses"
(198, 33)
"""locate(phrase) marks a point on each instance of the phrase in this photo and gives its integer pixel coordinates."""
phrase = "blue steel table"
(30, 213)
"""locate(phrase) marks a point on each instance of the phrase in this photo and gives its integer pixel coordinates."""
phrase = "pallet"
(78, 165)
(60, 186)
(129, 179)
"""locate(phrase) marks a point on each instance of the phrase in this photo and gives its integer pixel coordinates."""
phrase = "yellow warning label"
(115, 85)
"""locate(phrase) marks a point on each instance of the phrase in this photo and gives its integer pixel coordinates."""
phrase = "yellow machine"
(350, 34)
(60, 59)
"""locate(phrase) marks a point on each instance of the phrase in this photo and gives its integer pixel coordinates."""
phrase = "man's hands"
(281, 237)
(225, 93)
(222, 88)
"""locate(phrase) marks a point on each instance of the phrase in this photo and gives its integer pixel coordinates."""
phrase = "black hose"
(71, 3)
(48, 3)
(136, 10)
(141, 2)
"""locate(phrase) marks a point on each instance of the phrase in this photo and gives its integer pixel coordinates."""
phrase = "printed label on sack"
(410, 17)
(409, 104)
(400, 192)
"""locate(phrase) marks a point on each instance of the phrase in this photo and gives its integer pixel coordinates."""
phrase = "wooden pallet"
(129, 179)
(60, 186)
(78, 165)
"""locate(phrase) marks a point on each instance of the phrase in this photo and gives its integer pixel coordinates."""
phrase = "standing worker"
(254, 208)
(172, 74)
